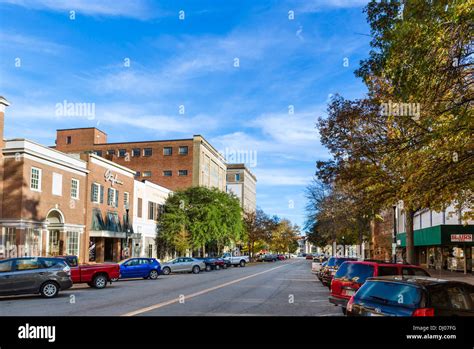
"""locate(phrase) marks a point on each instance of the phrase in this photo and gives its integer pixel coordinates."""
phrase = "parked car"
(281, 257)
(224, 263)
(309, 257)
(351, 276)
(412, 296)
(319, 273)
(33, 275)
(269, 258)
(147, 268)
(95, 275)
(183, 264)
(317, 265)
(211, 263)
(236, 260)
(330, 269)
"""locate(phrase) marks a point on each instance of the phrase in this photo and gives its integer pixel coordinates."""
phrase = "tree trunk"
(410, 238)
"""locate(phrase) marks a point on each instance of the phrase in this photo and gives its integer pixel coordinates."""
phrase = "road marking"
(176, 300)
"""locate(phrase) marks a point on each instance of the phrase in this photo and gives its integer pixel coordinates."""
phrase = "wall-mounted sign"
(461, 237)
(113, 179)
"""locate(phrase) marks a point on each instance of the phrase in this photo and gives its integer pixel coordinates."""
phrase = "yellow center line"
(176, 300)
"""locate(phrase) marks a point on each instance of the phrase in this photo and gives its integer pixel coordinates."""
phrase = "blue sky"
(46, 58)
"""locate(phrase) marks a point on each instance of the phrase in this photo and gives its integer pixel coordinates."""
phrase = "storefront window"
(32, 246)
(72, 243)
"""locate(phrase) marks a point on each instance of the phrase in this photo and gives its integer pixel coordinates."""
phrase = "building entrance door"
(108, 250)
(54, 243)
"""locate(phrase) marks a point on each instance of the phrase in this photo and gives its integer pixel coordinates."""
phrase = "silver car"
(183, 264)
(42, 275)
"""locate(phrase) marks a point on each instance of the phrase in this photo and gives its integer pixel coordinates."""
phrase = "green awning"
(440, 235)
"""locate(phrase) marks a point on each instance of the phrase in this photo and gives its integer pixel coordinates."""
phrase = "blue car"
(147, 268)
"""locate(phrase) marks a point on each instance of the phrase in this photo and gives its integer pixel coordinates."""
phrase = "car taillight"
(423, 312)
(349, 304)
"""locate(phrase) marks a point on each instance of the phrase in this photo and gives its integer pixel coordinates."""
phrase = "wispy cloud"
(13, 42)
(139, 9)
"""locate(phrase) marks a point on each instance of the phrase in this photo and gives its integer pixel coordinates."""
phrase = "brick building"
(173, 164)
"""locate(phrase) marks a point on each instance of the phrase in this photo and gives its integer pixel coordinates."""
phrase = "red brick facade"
(134, 156)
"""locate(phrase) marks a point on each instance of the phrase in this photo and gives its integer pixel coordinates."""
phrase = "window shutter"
(92, 192)
(101, 194)
(116, 198)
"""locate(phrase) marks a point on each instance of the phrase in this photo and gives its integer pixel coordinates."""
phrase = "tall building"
(243, 184)
(173, 164)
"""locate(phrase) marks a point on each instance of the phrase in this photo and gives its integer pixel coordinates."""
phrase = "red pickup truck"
(95, 275)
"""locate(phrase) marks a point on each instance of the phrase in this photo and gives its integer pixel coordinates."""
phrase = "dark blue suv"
(147, 268)
(412, 296)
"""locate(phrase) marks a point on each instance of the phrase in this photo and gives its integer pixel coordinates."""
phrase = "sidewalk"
(452, 275)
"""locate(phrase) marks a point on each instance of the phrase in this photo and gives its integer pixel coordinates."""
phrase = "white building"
(148, 201)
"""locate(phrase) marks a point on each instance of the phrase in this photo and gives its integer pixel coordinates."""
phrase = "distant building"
(174, 164)
(243, 184)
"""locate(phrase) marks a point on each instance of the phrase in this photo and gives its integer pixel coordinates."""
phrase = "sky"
(252, 77)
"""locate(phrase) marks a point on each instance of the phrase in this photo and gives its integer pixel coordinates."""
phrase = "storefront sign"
(461, 237)
(113, 179)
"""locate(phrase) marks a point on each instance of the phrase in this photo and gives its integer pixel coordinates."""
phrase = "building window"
(122, 153)
(68, 140)
(98, 152)
(167, 173)
(182, 172)
(111, 152)
(139, 207)
(138, 174)
(126, 200)
(153, 211)
(237, 177)
(147, 174)
(10, 238)
(147, 152)
(150, 251)
(35, 179)
(183, 150)
(72, 244)
(136, 152)
(57, 184)
(75, 189)
(96, 193)
(167, 151)
(112, 197)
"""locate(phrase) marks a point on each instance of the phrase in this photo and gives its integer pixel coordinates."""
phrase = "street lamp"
(127, 228)
(394, 240)
(343, 246)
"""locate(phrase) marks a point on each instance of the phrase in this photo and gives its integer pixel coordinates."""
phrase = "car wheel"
(153, 275)
(217, 267)
(100, 281)
(196, 269)
(49, 289)
(166, 271)
(225, 266)
(242, 264)
(208, 268)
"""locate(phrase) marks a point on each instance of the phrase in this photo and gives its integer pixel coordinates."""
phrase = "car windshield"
(331, 262)
(355, 272)
(339, 261)
(391, 293)
(124, 261)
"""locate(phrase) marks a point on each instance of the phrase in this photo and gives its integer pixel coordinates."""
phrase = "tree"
(284, 236)
(198, 217)
(419, 151)
(258, 227)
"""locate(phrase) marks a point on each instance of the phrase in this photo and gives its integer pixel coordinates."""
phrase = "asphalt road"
(286, 288)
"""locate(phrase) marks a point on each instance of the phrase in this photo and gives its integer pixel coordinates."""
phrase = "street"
(286, 288)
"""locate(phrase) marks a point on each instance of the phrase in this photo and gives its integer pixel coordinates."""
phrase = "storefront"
(443, 247)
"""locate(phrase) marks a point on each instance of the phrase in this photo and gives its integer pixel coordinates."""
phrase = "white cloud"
(318, 5)
(139, 9)
(13, 41)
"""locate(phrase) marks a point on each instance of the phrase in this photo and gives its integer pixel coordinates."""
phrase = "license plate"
(348, 292)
